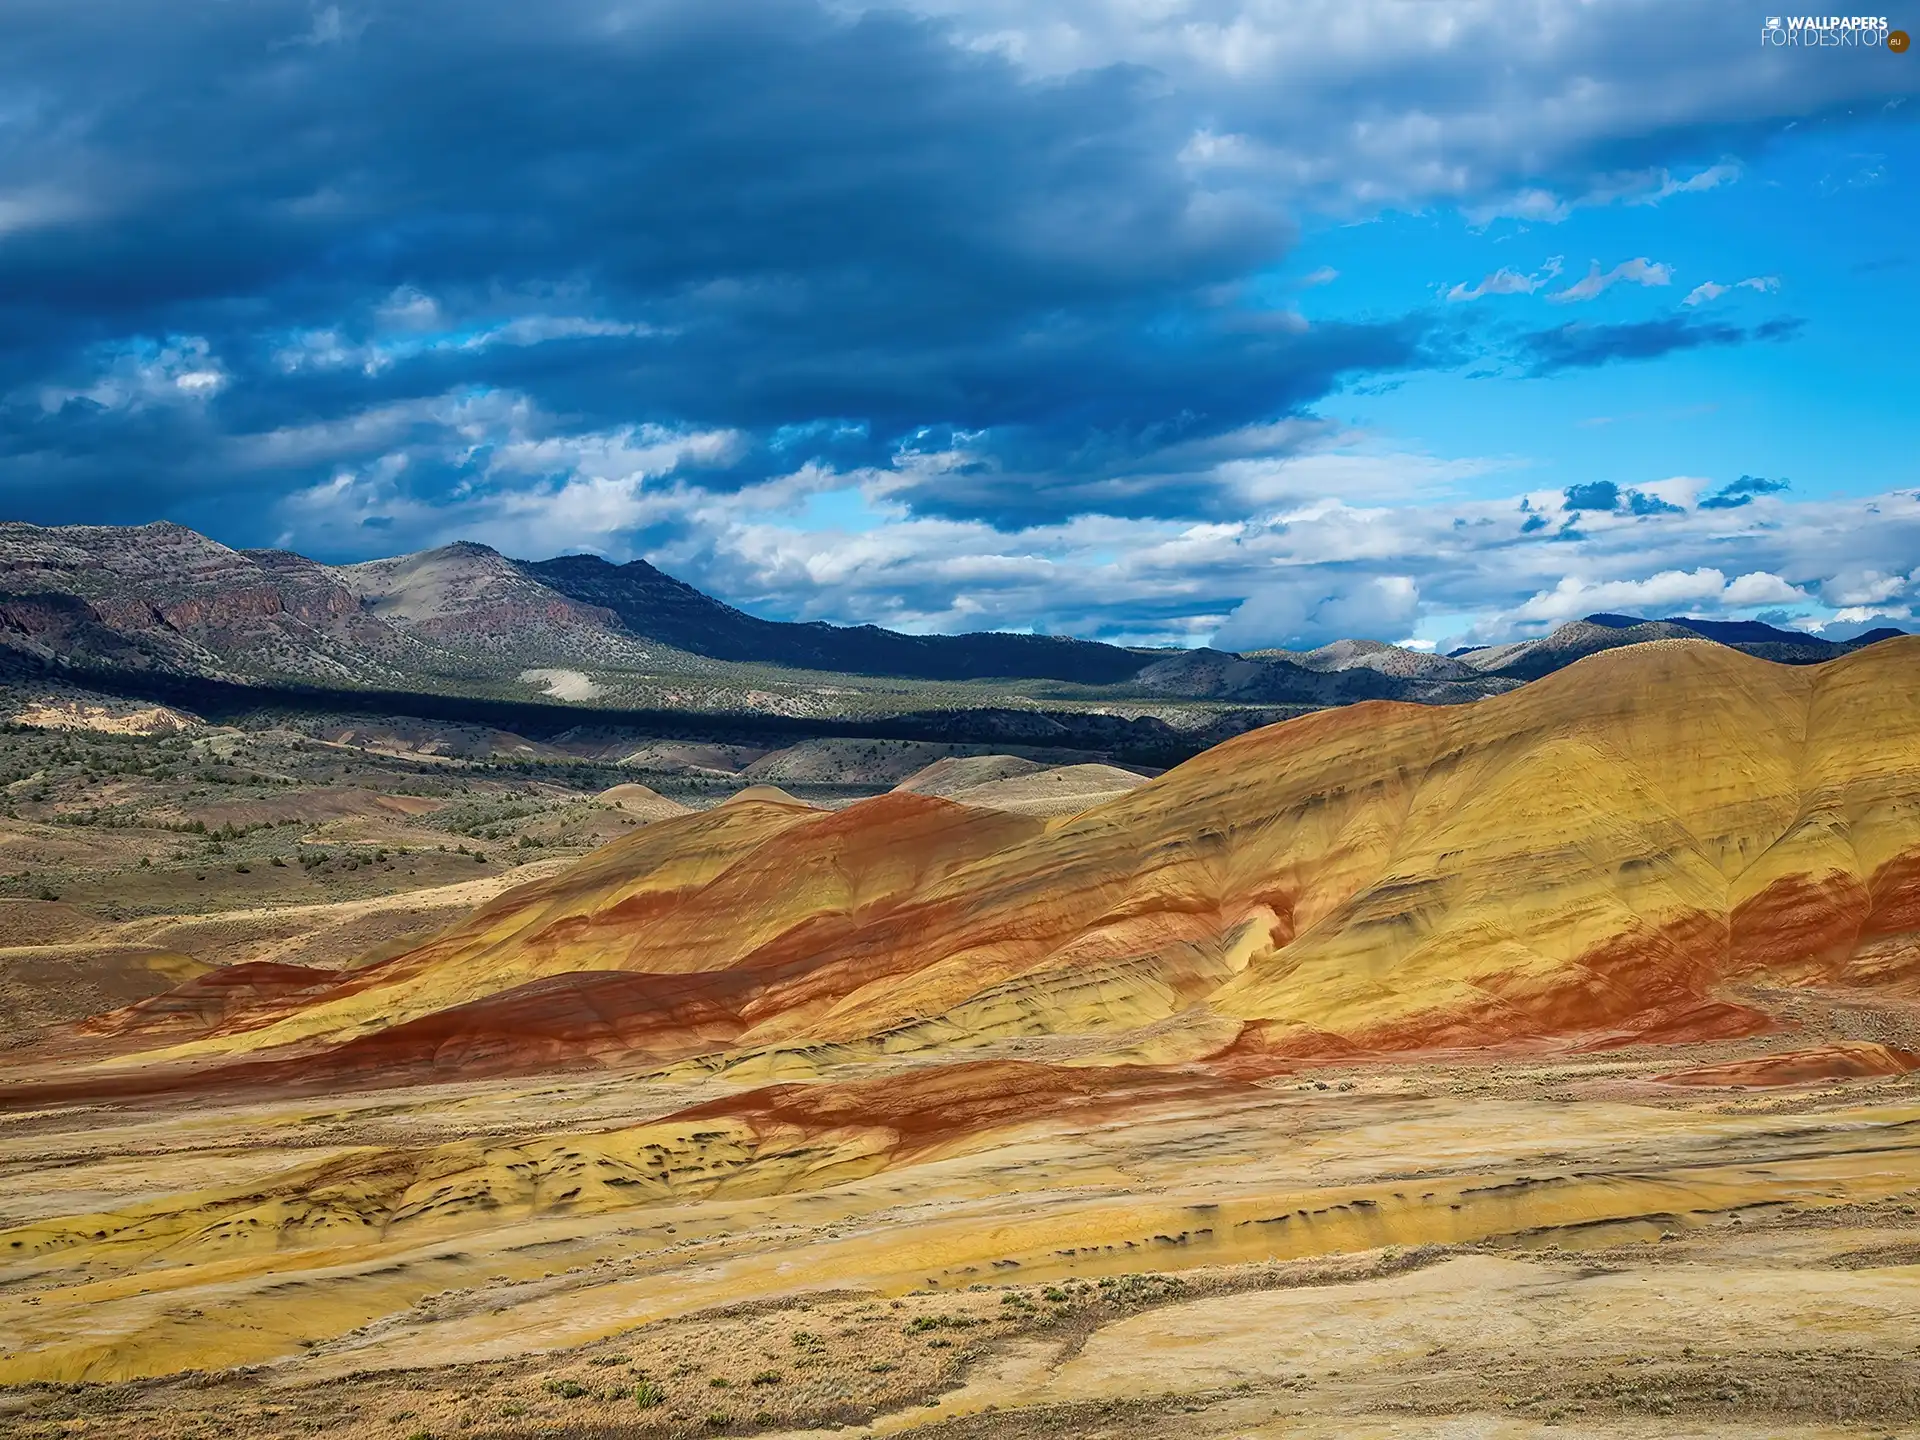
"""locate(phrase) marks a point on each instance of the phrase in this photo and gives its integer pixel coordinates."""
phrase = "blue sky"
(1235, 321)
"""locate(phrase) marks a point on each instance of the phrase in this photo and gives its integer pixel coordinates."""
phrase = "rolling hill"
(1603, 855)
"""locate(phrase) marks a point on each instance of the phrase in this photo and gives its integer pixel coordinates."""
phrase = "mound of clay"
(963, 772)
(765, 795)
(1064, 790)
(1850, 1060)
(213, 1000)
(111, 719)
(846, 762)
(639, 801)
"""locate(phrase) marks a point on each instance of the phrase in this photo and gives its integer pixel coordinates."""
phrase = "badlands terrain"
(1543, 1065)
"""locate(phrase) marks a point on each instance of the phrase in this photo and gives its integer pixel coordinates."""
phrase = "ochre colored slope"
(1851, 1060)
(771, 1141)
(1064, 790)
(1594, 856)
(790, 881)
(214, 999)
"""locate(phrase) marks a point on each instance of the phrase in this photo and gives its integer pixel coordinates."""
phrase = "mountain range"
(91, 603)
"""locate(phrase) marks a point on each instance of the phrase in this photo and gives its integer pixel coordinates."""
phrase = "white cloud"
(1761, 588)
(1540, 206)
(631, 453)
(141, 373)
(422, 326)
(409, 309)
(1638, 271)
(1575, 596)
(1641, 193)
(1709, 290)
(1680, 490)
(1349, 466)
(1338, 531)
(1361, 104)
(1508, 282)
(1303, 610)
(1865, 587)
(1325, 275)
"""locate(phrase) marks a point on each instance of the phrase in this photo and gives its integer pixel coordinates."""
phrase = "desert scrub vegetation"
(818, 1364)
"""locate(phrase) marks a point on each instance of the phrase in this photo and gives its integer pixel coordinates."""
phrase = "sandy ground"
(563, 684)
(1563, 1248)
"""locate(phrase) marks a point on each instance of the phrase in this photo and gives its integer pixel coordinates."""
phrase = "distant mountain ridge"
(465, 619)
(163, 597)
(652, 603)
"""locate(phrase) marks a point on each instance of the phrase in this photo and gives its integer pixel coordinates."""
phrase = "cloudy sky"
(1246, 321)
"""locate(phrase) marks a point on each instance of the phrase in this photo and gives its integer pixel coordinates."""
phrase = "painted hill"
(956, 773)
(1598, 856)
(1059, 790)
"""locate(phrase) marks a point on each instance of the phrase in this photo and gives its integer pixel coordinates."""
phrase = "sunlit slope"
(1598, 852)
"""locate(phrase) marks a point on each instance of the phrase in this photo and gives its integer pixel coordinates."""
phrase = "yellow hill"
(1597, 854)
(1063, 790)
(640, 800)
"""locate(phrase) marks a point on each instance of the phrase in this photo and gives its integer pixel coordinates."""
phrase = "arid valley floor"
(1544, 1067)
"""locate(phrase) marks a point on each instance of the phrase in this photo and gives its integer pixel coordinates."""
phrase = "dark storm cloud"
(1597, 495)
(773, 215)
(247, 248)
(1605, 495)
(1577, 346)
(1642, 504)
(1736, 493)
(1754, 485)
